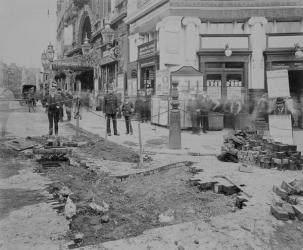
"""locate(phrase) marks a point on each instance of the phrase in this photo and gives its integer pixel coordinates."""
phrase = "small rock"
(104, 207)
(78, 237)
(167, 216)
(180, 247)
(196, 241)
(69, 209)
(104, 219)
(176, 243)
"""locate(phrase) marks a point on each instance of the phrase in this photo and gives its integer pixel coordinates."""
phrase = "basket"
(215, 121)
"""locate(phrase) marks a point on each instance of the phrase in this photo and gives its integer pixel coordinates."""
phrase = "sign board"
(162, 82)
(147, 49)
(277, 83)
(280, 128)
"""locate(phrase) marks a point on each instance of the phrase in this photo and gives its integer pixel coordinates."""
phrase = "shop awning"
(76, 63)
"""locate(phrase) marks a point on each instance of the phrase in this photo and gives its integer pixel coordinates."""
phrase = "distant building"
(79, 22)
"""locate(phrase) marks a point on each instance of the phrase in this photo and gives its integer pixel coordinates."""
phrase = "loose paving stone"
(280, 192)
(279, 213)
(288, 188)
(299, 211)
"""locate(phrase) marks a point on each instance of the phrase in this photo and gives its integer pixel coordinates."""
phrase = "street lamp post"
(47, 58)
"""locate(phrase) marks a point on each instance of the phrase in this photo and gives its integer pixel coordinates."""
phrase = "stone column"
(258, 45)
(191, 25)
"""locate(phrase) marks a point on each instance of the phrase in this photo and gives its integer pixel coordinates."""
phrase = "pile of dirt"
(107, 150)
(134, 205)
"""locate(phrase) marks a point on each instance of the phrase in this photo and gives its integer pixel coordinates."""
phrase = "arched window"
(87, 29)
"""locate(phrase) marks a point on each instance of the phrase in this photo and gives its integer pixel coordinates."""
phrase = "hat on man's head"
(280, 100)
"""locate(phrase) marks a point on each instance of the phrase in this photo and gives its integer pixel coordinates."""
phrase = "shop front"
(148, 63)
(287, 59)
(226, 82)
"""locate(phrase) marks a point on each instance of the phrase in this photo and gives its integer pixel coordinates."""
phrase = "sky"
(26, 30)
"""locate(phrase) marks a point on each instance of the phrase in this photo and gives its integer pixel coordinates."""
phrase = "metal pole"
(140, 143)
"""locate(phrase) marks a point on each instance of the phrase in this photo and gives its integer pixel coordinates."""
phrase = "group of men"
(54, 102)
(111, 108)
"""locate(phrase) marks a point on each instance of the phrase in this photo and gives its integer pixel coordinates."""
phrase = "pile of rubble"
(253, 149)
(289, 203)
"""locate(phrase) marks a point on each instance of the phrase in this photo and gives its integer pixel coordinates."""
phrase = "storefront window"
(148, 79)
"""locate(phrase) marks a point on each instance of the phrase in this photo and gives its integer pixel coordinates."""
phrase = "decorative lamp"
(86, 46)
(228, 52)
(107, 33)
(44, 59)
(298, 53)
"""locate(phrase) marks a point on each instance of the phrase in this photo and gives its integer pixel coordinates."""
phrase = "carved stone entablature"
(188, 20)
(257, 20)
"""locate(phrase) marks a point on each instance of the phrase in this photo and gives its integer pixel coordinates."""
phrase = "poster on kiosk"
(280, 125)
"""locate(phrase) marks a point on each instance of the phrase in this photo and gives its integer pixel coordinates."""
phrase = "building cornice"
(144, 11)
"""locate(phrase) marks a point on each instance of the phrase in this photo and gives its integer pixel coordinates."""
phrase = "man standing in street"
(53, 110)
(68, 102)
(203, 109)
(111, 108)
(128, 109)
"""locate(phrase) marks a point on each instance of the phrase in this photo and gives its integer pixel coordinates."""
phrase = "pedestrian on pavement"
(192, 109)
(139, 106)
(128, 110)
(202, 110)
(111, 109)
(68, 104)
(31, 99)
(53, 110)
(61, 103)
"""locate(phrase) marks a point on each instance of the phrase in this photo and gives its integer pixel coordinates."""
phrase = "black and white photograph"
(151, 124)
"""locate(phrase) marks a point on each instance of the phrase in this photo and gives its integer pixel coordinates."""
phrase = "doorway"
(295, 78)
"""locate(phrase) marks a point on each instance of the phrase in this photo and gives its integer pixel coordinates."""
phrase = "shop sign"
(277, 83)
(280, 128)
(147, 49)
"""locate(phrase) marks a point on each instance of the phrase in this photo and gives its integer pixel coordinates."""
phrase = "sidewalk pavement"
(154, 138)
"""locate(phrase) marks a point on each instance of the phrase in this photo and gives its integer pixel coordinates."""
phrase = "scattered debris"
(20, 144)
(246, 169)
(104, 207)
(167, 217)
(290, 203)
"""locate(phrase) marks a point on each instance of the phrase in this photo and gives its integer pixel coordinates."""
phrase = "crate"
(215, 121)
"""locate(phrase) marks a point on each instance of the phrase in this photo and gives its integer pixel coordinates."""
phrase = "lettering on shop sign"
(147, 49)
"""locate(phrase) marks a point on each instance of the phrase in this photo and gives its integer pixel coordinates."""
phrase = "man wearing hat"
(128, 110)
(281, 109)
(53, 109)
(111, 108)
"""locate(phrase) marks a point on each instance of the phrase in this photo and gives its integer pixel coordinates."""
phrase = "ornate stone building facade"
(86, 60)
(233, 43)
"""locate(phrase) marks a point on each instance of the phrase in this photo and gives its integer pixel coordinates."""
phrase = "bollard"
(174, 119)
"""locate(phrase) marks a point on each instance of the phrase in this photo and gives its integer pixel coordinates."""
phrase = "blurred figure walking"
(128, 109)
